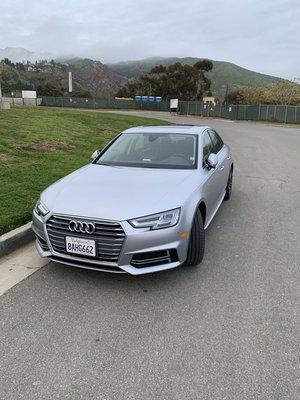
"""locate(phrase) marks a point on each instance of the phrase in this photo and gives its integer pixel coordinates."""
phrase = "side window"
(207, 145)
(217, 142)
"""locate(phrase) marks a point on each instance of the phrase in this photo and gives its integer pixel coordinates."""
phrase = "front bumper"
(136, 243)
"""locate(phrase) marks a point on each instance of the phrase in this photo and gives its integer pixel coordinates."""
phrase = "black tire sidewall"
(196, 244)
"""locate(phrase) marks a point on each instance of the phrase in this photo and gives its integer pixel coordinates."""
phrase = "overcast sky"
(262, 35)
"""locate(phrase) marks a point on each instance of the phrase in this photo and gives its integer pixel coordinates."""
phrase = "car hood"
(117, 193)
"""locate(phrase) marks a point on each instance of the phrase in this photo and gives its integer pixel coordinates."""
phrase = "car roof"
(186, 129)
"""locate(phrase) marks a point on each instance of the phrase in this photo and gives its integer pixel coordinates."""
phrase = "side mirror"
(212, 160)
(95, 154)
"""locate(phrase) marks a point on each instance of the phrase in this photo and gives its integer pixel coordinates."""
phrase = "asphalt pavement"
(227, 329)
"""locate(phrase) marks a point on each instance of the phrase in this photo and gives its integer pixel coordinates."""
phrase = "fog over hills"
(19, 54)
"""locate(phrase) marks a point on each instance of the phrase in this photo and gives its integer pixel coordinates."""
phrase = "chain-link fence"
(109, 103)
(261, 112)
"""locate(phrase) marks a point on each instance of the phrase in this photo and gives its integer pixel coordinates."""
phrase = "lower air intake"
(154, 258)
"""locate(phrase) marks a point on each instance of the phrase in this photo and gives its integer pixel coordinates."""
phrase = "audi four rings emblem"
(83, 227)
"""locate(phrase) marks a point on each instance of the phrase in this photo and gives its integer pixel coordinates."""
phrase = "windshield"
(152, 150)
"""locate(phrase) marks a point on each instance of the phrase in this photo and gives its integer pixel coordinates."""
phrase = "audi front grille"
(109, 237)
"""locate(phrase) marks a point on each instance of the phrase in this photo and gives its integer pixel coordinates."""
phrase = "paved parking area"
(226, 329)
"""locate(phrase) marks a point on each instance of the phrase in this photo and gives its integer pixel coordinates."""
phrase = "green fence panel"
(99, 103)
(293, 114)
(228, 111)
(280, 113)
(251, 112)
(262, 112)
(214, 111)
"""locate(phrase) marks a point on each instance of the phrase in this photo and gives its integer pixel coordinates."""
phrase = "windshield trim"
(143, 165)
(148, 166)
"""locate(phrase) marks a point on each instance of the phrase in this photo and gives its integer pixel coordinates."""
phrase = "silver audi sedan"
(142, 205)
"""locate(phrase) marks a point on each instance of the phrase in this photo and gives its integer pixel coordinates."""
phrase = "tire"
(197, 242)
(229, 186)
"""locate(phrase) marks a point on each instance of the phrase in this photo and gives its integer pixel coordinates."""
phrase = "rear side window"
(217, 142)
(207, 145)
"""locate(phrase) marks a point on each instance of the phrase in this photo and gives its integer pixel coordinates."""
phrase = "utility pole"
(226, 93)
(70, 82)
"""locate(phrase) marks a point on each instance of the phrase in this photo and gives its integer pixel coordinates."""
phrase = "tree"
(235, 97)
(246, 95)
(20, 66)
(81, 93)
(186, 82)
(6, 61)
(284, 92)
(48, 89)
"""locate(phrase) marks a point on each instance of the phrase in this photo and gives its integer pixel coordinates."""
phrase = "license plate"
(81, 246)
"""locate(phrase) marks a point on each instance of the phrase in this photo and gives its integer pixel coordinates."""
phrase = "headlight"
(157, 221)
(41, 209)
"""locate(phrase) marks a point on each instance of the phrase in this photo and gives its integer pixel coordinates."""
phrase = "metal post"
(188, 107)
(226, 94)
(259, 112)
(267, 115)
(285, 115)
(237, 112)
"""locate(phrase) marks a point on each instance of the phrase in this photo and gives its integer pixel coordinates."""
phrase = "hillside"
(51, 78)
(95, 77)
(223, 73)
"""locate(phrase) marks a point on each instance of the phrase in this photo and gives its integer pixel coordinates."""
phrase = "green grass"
(39, 146)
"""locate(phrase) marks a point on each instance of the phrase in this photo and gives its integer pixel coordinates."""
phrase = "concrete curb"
(12, 240)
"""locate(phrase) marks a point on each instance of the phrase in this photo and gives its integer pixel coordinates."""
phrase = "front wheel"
(229, 186)
(197, 242)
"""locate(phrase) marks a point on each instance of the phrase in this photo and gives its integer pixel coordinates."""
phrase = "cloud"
(257, 35)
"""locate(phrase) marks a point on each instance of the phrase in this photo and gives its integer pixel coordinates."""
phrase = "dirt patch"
(6, 158)
(48, 146)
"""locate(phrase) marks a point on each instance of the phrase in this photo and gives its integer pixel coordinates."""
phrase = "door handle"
(222, 167)
(228, 158)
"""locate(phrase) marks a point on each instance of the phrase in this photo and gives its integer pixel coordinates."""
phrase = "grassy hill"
(88, 76)
(223, 73)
